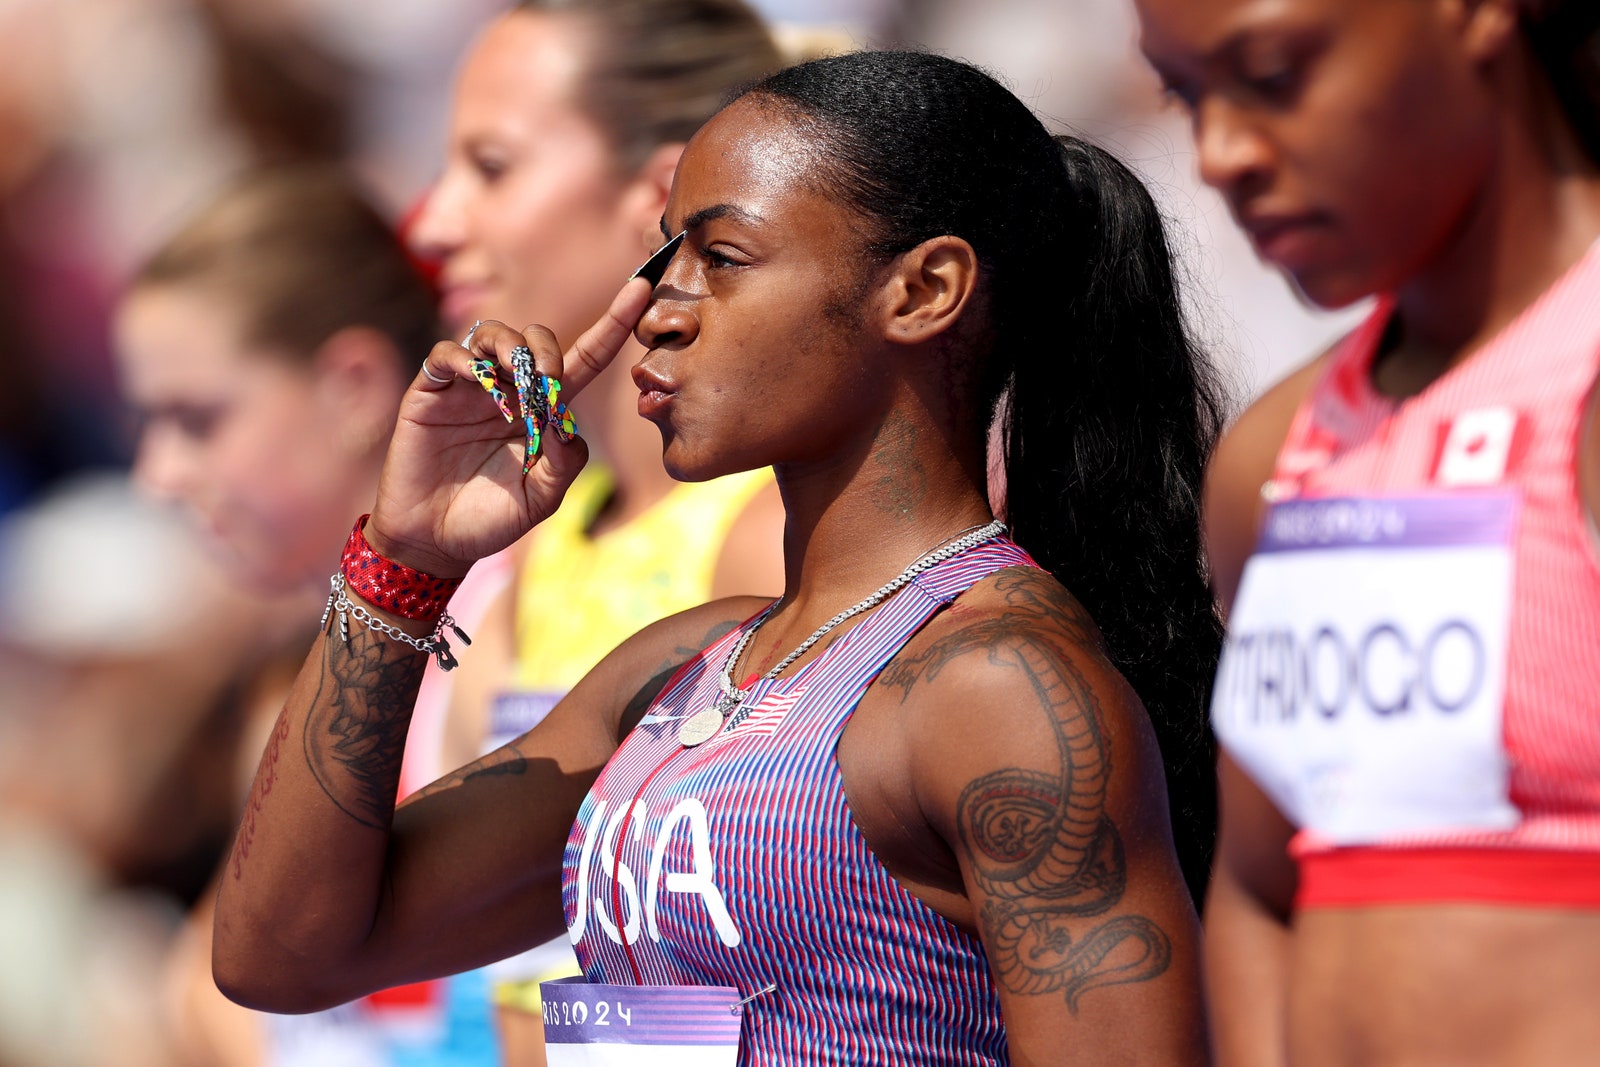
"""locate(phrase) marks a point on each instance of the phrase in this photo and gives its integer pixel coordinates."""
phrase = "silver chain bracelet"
(434, 645)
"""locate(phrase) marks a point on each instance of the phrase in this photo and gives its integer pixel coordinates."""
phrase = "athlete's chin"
(689, 464)
(1330, 287)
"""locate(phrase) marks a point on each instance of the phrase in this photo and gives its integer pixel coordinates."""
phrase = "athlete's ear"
(645, 197)
(928, 289)
(359, 378)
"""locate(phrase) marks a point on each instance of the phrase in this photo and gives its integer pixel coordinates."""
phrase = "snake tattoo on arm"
(1048, 857)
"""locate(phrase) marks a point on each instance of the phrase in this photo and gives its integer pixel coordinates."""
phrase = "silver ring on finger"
(434, 378)
(466, 342)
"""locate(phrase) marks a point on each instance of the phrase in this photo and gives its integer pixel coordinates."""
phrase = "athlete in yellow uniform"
(662, 562)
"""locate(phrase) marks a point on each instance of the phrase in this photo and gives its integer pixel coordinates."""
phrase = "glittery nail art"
(483, 370)
(531, 399)
(560, 419)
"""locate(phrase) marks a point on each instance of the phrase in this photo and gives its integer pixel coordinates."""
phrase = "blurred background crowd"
(124, 705)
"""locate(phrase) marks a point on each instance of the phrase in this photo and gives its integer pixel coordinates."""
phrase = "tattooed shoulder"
(1048, 857)
(1032, 816)
(1018, 604)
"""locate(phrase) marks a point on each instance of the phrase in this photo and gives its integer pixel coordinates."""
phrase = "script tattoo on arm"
(266, 778)
(1047, 856)
(356, 731)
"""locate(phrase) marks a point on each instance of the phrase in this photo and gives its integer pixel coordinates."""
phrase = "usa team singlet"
(737, 863)
(1412, 670)
(578, 597)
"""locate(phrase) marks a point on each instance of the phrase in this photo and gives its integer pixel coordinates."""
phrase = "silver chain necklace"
(706, 724)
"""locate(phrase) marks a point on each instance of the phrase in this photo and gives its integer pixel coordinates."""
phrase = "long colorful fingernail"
(531, 400)
(559, 418)
(483, 370)
(530, 450)
(522, 373)
(535, 415)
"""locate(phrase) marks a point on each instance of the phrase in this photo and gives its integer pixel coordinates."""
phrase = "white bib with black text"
(1363, 677)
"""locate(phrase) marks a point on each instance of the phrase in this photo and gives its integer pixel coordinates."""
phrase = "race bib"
(1362, 680)
(587, 1025)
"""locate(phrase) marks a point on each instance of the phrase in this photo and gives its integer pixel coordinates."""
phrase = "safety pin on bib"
(770, 987)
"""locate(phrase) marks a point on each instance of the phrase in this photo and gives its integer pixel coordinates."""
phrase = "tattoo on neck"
(904, 483)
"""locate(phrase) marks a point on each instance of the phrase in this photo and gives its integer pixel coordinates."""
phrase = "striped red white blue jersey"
(738, 863)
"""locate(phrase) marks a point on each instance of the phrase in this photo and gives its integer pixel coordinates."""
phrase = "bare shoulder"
(1011, 672)
(1035, 762)
(1242, 463)
(751, 559)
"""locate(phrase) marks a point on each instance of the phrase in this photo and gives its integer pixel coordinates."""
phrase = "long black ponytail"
(1108, 409)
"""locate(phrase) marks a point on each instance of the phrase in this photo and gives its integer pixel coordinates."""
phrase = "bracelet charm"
(434, 645)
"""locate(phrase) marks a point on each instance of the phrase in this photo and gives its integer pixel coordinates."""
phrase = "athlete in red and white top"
(1411, 687)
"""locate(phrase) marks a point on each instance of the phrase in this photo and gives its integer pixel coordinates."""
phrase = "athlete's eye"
(1273, 69)
(718, 259)
(1277, 86)
(489, 168)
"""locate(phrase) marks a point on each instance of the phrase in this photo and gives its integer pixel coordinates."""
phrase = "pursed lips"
(656, 390)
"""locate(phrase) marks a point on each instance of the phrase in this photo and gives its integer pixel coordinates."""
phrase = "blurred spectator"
(267, 345)
(119, 652)
(120, 117)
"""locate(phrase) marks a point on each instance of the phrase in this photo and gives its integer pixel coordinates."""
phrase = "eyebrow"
(715, 211)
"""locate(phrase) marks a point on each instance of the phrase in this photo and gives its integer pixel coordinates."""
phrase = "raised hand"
(453, 489)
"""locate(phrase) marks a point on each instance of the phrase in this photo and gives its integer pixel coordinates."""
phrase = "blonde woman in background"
(266, 346)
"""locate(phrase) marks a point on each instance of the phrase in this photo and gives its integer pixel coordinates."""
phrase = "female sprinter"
(929, 795)
(1409, 866)
(566, 124)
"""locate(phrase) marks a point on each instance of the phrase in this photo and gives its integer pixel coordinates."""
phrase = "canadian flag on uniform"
(1478, 447)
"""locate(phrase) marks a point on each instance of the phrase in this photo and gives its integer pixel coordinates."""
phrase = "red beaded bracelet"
(392, 586)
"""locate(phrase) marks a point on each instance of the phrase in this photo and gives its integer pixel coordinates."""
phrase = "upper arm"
(751, 559)
(1039, 769)
(1242, 463)
(476, 857)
